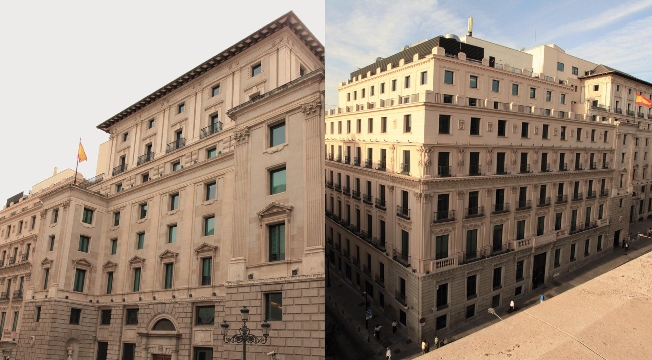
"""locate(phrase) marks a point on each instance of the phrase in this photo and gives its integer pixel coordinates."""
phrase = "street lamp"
(244, 336)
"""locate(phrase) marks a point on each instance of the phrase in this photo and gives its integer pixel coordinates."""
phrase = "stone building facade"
(208, 198)
(461, 174)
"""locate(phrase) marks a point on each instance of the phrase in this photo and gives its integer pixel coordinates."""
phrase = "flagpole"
(76, 166)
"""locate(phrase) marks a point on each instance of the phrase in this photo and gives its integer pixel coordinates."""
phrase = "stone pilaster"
(238, 263)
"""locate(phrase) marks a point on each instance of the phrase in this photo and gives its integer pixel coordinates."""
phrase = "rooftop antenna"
(470, 26)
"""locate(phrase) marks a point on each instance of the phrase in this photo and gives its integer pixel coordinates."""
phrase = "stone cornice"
(279, 280)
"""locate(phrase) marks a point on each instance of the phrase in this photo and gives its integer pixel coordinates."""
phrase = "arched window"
(164, 325)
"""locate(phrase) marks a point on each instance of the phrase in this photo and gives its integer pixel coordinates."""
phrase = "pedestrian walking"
(436, 342)
(626, 246)
(542, 298)
(377, 332)
(512, 307)
(624, 239)
(394, 327)
(427, 347)
(423, 347)
(388, 354)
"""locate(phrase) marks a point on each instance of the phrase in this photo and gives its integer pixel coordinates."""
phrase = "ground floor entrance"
(617, 238)
(538, 270)
(161, 357)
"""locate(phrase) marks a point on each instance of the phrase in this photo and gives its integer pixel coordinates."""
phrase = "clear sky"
(614, 33)
(67, 66)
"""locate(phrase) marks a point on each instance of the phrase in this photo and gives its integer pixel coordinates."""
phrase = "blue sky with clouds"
(612, 33)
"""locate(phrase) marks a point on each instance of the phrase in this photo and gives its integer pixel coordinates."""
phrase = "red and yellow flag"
(81, 154)
(642, 100)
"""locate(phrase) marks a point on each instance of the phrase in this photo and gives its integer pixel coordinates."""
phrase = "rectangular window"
(277, 242)
(129, 351)
(38, 314)
(444, 124)
(109, 282)
(211, 153)
(116, 218)
(277, 134)
(181, 108)
(143, 211)
(587, 245)
(137, 272)
(215, 90)
(256, 69)
(383, 125)
(174, 202)
(533, 93)
(277, 181)
(55, 216)
(558, 217)
(78, 285)
(87, 216)
(382, 88)
(502, 127)
(473, 82)
(274, 307)
(560, 66)
(211, 191)
(205, 315)
(102, 350)
(520, 230)
(574, 70)
(541, 221)
(141, 240)
(172, 233)
(514, 89)
(548, 95)
(424, 78)
(475, 126)
(407, 121)
(545, 132)
(495, 85)
(448, 77)
(75, 316)
(525, 130)
(520, 265)
(407, 82)
(209, 225)
(442, 296)
(202, 353)
(169, 274)
(596, 87)
(498, 278)
(83, 243)
(557, 258)
(46, 277)
(206, 271)
(393, 85)
(562, 98)
(176, 166)
(572, 252)
(14, 327)
(471, 286)
(441, 247)
(370, 125)
(132, 316)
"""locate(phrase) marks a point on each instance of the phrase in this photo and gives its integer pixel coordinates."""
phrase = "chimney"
(470, 26)
(55, 171)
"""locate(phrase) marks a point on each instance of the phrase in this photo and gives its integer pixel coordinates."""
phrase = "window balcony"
(347, 160)
(544, 202)
(523, 205)
(475, 170)
(176, 144)
(403, 212)
(355, 194)
(380, 204)
(500, 170)
(379, 280)
(400, 297)
(403, 259)
(366, 270)
(145, 158)
(382, 165)
(368, 163)
(329, 184)
(4, 296)
(210, 130)
(579, 166)
(2, 262)
(368, 199)
(560, 199)
(330, 157)
(405, 169)
(337, 187)
(605, 165)
(356, 162)
(12, 260)
(473, 212)
(618, 111)
(443, 216)
(18, 294)
(591, 194)
(329, 214)
(24, 257)
(641, 115)
(346, 190)
(630, 112)
(500, 208)
(578, 196)
(593, 166)
(546, 167)
(525, 169)
(472, 256)
(338, 158)
(379, 243)
(119, 169)
(563, 166)
(444, 171)
(604, 192)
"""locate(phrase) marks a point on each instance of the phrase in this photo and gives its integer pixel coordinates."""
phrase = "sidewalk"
(348, 304)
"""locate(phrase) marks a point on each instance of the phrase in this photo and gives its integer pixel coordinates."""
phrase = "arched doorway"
(161, 341)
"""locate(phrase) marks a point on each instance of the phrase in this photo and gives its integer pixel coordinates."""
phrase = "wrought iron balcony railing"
(368, 163)
(382, 165)
(544, 202)
(355, 194)
(443, 216)
(501, 208)
(523, 205)
(475, 170)
(472, 212)
(176, 144)
(403, 212)
(145, 158)
(403, 259)
(578, 196)
(380, 204)
(560, 199)
(444, 171)
(210, 130)
(367, 199)
(405, 169)
(119, 169)
(525, 169)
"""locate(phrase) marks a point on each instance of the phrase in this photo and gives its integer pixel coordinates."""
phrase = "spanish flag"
(641, 100)
(81, 154)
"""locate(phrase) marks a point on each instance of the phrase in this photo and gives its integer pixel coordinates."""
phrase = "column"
(313, 159)
(238, 263)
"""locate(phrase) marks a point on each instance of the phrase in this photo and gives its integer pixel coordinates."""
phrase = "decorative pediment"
(275, 209)
(168, 254)
(205, 248)
(136, 261)
(46, 262)
(109, 265)
(82, 263)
